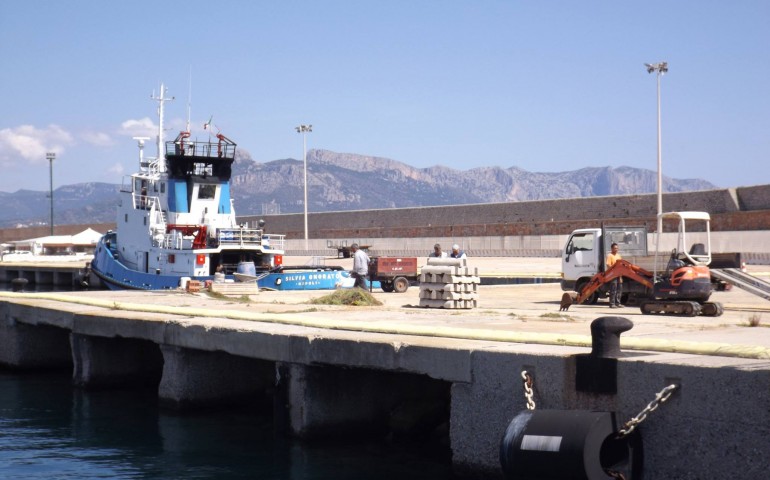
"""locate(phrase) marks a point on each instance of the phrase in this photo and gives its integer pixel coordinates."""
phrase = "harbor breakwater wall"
(528, 228)
(740, 222)
(735, 209)
(352, 382)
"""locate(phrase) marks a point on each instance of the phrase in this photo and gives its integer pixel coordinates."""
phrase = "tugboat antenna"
(189, 101)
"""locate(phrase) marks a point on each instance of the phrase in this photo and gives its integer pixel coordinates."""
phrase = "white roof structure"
(87, 237)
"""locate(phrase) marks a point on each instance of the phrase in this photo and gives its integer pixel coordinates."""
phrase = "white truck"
(584, 255)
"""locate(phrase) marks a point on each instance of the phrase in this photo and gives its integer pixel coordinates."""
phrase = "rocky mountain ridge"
(344, 181)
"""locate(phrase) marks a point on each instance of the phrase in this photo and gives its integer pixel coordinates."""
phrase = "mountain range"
(345, 181)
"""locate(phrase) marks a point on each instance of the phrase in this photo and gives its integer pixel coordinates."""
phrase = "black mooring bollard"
(597, 372)
(18, 284)
(605, 336)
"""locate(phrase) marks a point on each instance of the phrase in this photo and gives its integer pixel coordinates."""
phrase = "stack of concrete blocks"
(449, 283)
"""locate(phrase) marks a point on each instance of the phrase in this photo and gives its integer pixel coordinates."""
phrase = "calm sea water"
(50, 430)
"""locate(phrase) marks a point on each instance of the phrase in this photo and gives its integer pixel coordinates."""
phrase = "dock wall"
(323, 381)
(41, 274)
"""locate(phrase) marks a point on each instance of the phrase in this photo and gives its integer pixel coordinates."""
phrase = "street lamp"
(50, 156)
(304, 130)
(659, 68)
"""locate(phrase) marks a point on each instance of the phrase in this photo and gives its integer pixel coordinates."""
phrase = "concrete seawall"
(413, 372)
(735, 209)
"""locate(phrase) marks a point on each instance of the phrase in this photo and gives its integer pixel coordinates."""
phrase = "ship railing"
(249, 237)
(272, 241)
(222, 149)
(127, 183)
(145, 202)
(150, 165)
(174, 240)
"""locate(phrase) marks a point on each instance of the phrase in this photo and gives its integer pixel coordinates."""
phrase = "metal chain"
(660, 397)
(529, 394)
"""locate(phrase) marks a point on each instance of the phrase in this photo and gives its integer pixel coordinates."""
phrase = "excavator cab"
(684, 287)
(698, 224)
(681, 281)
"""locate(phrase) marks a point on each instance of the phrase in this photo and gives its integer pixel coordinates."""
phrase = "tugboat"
(176, 222)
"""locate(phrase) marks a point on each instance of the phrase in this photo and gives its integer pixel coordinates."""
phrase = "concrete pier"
(57, 274)
(397, 370)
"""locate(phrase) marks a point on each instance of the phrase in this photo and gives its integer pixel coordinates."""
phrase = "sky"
(543, 86)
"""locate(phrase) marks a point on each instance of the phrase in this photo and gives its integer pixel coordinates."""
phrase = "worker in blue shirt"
(456, 252)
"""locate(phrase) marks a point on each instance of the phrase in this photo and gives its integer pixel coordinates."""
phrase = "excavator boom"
(622, 268)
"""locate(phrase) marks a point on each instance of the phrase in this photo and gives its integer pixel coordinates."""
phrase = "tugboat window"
(206, 192)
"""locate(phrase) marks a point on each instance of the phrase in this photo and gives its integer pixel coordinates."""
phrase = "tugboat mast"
(161, 150)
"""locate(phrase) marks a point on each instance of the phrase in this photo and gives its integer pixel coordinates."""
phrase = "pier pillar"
(111, 362)
(329, 402)
(33, 346)
(44, 277)
(197, 378)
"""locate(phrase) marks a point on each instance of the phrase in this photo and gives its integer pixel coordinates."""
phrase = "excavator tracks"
(682, 308)
(712, 309)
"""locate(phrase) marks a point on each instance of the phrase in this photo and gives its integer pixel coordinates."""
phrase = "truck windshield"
(581, 242)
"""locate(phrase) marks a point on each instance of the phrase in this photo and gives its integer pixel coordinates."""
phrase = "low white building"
(82, 243)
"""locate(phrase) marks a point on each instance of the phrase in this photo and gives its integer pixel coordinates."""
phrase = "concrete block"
(451, 304)
(457, 262)
(450, 270)
(451, 287)
(447, 295)
(461, 279)
(234, 289)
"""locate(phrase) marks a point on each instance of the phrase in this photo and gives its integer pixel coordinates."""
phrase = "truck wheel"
(386, 286)
(400, 284)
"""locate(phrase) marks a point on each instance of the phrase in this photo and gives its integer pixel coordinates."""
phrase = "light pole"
(659, 68)
(304, 130)
(50, 156)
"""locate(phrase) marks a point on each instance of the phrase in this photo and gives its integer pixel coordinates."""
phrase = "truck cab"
(584, 253)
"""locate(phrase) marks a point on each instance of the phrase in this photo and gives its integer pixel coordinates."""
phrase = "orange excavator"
(681, 290)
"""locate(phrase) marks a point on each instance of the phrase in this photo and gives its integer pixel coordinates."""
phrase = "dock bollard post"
(597, 372)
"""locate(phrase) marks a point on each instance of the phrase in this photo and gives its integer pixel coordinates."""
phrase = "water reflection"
(50, 430)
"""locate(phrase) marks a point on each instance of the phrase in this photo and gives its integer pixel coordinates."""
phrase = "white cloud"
(98, 139)
(30, 143)
(144, 127)
(116, 169)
